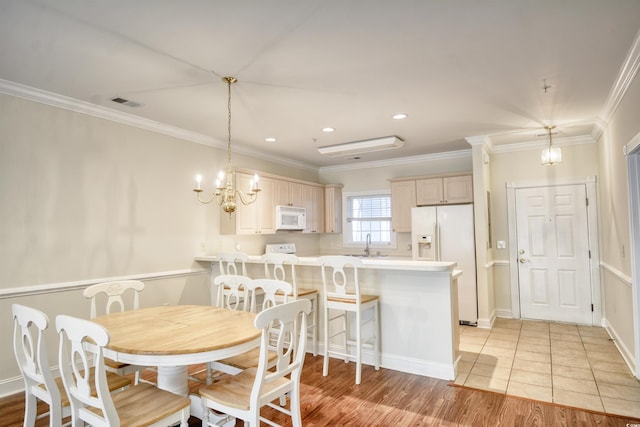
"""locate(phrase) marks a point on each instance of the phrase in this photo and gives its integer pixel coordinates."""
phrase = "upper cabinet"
(333, 208)
(403, 198)
(409, 192)
(258, 217)
(444, 190)
(313, 201)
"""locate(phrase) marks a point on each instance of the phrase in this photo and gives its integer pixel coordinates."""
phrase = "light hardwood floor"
(391, 398)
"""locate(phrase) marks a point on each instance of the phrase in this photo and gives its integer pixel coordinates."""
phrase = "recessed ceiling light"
(400, 116)
(328, 130)
(270, 139)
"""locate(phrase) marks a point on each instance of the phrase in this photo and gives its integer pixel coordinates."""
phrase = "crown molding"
(626, 76)
(60, 101)
(398, 161)
(540, 144)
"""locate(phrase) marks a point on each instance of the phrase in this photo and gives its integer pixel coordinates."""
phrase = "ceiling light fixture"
(358, 147)
(270, 139)
(328, 130)
(225, 195)
(551, 155)
(400, 116)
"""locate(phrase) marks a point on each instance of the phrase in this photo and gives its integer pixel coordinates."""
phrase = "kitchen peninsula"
(418, 309)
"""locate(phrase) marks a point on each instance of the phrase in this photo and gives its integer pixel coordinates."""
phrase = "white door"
(553, 253)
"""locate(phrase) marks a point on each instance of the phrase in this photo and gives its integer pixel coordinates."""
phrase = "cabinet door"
(266, 206)
(298, 194)
(429, 191)
(457, 189)
(315, 209)
(246, 216)
(281, 192)
(333, 209)
(403, 198)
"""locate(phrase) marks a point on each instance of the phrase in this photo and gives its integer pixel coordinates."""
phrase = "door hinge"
(591, 307)
(587, 199)
(589, 253)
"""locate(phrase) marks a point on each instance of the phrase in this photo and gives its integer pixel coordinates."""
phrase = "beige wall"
(615, 223)
(520, 167)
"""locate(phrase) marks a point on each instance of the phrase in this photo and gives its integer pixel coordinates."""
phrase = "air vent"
(126, 102)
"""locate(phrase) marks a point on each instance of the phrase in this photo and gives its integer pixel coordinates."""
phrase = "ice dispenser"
(425, 246)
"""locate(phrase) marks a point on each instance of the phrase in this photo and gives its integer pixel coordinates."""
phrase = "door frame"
(590, 183)
(632, 152)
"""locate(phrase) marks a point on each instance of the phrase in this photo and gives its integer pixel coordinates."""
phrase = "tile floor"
(571, 365)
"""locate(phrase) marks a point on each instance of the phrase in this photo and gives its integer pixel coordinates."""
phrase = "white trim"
(633, 188)
(128, 119)
(540, 144)
(627, 73)
(627, 280)
(632, 145)
(504, 313)
(501, 263)
(592, 218)
(81, 284)
(460, 154)
(627, 355)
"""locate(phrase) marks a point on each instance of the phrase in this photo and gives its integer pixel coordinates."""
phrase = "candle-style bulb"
(199, 180)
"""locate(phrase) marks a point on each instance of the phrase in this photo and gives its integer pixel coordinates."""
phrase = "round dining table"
(174, 337)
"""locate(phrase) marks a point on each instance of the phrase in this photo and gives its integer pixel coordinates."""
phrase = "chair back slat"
(113, 292)
(272, 292)
(340, 277)
(231, 291)
(233, 263)
(275, 267)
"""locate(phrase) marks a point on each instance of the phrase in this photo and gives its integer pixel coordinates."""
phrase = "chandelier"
(551, 155)
(225, 195)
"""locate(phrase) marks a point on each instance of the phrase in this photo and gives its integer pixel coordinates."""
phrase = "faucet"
(368, 242)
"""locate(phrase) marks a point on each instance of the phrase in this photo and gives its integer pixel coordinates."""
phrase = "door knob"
(522, 260)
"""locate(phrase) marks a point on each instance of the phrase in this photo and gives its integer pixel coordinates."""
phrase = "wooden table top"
(181, 329)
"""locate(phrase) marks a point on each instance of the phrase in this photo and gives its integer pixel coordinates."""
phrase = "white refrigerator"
(446, 233)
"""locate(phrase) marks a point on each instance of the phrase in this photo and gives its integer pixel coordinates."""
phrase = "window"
(368, 214)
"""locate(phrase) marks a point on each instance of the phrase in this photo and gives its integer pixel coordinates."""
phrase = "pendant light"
(551, 155)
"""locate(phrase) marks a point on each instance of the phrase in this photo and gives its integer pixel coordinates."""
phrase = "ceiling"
(458, 68)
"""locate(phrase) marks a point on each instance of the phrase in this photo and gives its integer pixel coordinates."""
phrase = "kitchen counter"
(418, 309)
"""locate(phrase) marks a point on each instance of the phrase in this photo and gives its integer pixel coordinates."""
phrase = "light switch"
(501, 244)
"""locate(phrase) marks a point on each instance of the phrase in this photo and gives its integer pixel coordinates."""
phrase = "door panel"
(553, 250)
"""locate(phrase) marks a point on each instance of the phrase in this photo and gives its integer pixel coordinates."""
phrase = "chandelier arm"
(249, 198)
(213, 198)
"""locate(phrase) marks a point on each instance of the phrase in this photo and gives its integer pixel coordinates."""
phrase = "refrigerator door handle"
(438, 242)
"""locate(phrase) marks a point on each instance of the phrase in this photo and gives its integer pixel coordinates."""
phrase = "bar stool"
(342, 294)
(274, 268)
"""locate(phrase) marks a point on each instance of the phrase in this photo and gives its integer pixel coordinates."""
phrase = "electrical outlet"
(501, 244)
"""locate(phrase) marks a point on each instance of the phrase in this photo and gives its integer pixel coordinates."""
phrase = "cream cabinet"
(444, 190)
(258, 217)
(313, 201)
(403, 198)
(289, 193)
(333, 208)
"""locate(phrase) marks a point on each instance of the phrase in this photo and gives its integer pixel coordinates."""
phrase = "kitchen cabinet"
(313, 201)
(258, 217)
(403, 198)
(333, 208)
(289, 193)
(444, 190)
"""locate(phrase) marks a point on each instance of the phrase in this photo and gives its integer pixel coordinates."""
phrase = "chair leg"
(346, 323)
(377, 356)
(358, 347)
(325, 363)
(294, 400)
(30, 408)
(314, 331)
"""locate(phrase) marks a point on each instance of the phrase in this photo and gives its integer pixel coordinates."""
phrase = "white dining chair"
(143, 404)
(243, 395)
(270, 293)
(231, 291)
(342, 295)
(109, 297)
(30, 347)
(276, 266)
(229, 263)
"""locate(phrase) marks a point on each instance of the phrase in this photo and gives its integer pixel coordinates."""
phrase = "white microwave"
(290, 218)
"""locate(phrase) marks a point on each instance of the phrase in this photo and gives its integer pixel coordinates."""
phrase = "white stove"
(280, 248)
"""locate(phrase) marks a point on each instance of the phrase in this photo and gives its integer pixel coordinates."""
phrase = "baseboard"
(627, 354)
(399, 363)
(9, 386)
(487, 323)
